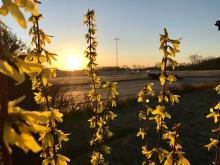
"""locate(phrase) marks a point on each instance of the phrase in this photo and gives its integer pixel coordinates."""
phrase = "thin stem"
(38, 34)
(6, 157)
(164, 86)
(164, 72)
(38, 37)
(174, 147)
(93, 77)
(45, 92)
(146, 130)
(51, 125)
(145, 123)
(217, 150)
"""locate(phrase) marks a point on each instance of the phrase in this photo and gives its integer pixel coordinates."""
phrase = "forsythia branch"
(215, 143)
(102, 114)
(159, 115)
(52, 137)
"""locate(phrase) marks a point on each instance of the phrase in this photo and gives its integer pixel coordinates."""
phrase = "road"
(77, 86)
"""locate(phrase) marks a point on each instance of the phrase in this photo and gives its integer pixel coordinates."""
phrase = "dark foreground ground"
(126, 147)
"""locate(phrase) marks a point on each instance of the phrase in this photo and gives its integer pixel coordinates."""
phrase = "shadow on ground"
(126, 147)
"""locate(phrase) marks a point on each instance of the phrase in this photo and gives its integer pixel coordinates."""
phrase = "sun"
(72, 62)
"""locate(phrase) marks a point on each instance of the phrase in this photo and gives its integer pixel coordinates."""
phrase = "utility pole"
(116, 42)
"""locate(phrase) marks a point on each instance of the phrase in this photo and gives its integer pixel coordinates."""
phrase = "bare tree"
(195, 59)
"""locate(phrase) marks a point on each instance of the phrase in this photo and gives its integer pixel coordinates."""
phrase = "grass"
(195, 132)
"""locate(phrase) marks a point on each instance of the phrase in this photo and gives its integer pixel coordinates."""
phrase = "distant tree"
(209, 58)
(157, 65)
(125, 66)
(134, 66)
(10, 42)
(195, 58)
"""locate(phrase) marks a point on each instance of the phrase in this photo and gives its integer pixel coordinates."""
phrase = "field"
(196, 99)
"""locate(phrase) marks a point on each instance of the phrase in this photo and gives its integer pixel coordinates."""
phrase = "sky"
(137, 23)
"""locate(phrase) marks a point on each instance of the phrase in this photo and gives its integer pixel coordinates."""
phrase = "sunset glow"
(71, 62)
(135, 44)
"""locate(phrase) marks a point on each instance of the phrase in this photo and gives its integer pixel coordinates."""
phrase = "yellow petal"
(62, 160)
(27, 142)
(183, 161)
(9, 136)
(18, 16)
(217, 106)
(4, 9)
(141, 133)
(162, 80)
(8, 70)
(168, 161)
(27, 67)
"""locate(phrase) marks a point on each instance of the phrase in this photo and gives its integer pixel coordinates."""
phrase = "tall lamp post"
(218, 24)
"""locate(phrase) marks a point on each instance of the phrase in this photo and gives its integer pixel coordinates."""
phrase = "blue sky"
(136, 22)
